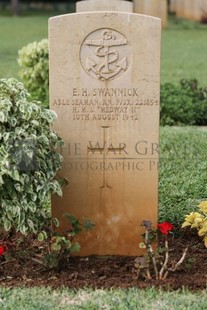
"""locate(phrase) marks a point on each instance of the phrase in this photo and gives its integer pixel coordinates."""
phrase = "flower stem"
(181, 259)
(151, 254)
(164, 266)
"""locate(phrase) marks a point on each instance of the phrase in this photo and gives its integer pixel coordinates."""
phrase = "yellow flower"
(185, 224)
(203, 230)
(203, 206)
(205, 241)
(194, 219)
(199, 221)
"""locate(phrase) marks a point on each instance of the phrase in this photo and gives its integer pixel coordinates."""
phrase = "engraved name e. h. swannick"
(104, 150)
(105, 63)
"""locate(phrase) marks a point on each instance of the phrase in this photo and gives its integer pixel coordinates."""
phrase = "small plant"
(198, 220)
(156, 263)
(61, 245)
(34, 69)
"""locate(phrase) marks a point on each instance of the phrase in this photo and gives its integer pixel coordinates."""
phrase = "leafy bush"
(183, 104)
(33, 61)
(28, 160)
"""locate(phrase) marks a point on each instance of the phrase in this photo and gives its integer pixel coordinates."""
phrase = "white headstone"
(104, 87)
(157, 8)
(104, 5)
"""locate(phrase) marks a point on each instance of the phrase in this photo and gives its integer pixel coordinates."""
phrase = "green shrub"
(28, 160)
(183, 104)
(33, 61)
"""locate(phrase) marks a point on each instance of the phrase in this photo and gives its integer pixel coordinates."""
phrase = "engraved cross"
(104, 150)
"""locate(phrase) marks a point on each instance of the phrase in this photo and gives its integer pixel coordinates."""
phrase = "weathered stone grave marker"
(104, 87)
(157, 8)
(172, 6)
(191, 9)
(104, 5)
(199, 8)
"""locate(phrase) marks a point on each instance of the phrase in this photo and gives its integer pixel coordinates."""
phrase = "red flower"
(165, 227)
(2, 249)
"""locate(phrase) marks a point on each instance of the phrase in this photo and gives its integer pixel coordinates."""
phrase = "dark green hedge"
(183, 104)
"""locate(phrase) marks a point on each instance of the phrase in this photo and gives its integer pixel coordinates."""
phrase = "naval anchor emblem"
(105, 54)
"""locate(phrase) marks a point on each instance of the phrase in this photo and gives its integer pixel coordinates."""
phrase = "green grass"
(15, 32)
(183, 54)
(183, 171)
(114, 299)
(183, 51)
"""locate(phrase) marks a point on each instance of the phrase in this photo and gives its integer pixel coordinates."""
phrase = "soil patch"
(107, 272)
